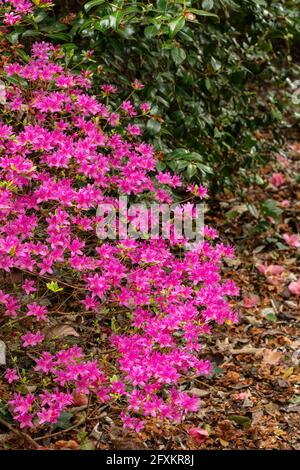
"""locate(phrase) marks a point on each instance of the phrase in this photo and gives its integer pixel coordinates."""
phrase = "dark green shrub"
(209, 67)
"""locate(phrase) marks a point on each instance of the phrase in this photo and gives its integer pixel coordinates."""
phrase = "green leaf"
(39, 17)
(30, 33)
(176, 25)
(253, 211)
(22, 54)
(54, 27)
(269, 314)
(205, 168)
(191, 170)
(64, 420)
(270, 209)
(153, 126)
(162, 5)
(243, 421)
(181, 164)
(13, 37)
(295, 400)
(202, 12)
(87, 445)
(60, 36)
(53, 286)
(180, 152)
(178, 55)
(207, 4)
(151, 31)
(94, 3)
(216, 65)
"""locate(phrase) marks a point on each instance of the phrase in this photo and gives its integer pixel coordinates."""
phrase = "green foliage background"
(216, 71)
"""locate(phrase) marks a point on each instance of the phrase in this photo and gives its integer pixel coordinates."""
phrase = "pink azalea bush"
(64, 151)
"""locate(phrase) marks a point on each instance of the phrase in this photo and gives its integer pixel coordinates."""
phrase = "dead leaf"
(271, 357)
(71, 444)
(197, 392)
(223, 443)
(60, 331)
(80, 399)
(96, 433)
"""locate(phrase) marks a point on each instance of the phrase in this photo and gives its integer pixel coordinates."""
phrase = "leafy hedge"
(197, 59)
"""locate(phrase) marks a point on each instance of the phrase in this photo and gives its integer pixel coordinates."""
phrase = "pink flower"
(282, 160)
(294, 287)
(108, 89)
(198, 434)
(277, 179)
(25, 420)
(31, 339)
(11, 19)
(198, 190)
(145, 107)
(37, 311)
(28, 286)
(137, 85)
(45, 363)
(273, 272)
(284, 203)
(11, 375)
(292, 240)
(241, 396)
(133, 129)
(48, 415)
(251, 301)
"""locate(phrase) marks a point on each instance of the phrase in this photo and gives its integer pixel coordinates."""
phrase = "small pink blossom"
(292, 240)
(282, 160)
(285, 203)
(133, 129)
(273, 272)
(11, 19)
(241, 396)
(198, 434)
(145, 107)
(28, 286)
(251, 301)
(272, 269)
(37, 311)
(294, 287)
(108, 89)
(31, 339)
(11, 375)
(137, 85)
(277, 179)
(198, 190)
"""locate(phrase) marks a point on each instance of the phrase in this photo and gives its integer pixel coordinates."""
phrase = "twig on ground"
(18, 433)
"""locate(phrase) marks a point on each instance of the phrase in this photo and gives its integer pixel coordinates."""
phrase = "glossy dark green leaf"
(64, 420)
(203, 13)
(153, 126)
(176, 25)
(207, 4)
(93, 3)
(178, 55)
(151, 31)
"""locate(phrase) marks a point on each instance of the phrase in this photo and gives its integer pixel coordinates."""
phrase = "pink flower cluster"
(68, 370)
(64, 153)
(14, 10)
